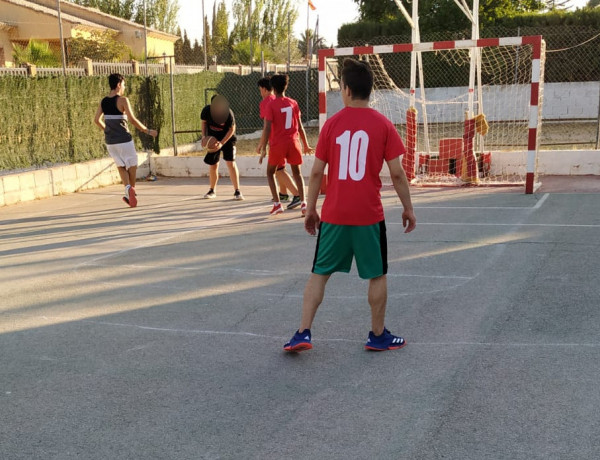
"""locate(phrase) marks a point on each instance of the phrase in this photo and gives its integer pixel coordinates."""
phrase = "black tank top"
(116, 130)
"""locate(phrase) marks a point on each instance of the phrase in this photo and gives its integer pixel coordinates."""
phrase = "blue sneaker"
(299, 342)
(385, 341)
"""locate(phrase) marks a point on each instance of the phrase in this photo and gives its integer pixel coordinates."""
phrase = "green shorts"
(337, 245)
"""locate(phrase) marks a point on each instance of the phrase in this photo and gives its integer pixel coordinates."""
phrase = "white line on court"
(486, 224)
(539, 204)
(275, 337)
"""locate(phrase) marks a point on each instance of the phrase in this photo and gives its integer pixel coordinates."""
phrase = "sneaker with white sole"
(385, 341)
(238, 196)
(299, 342)
(277, 209)
(210, 194)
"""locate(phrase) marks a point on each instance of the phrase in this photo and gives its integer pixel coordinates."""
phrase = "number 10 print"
(353, 154)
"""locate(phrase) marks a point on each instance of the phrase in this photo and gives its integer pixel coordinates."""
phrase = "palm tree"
(35, 52)
(317, 44)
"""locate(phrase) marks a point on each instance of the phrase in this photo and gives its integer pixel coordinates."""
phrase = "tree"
(160, 14)
(268, 21)
(220, 36)
(178, 48)
(121, 8)
(593, 3)
(208, 41)
(35, 52)
(100, 46)
(186, 49)
(316, 43)
(558, 4)
(382, 10)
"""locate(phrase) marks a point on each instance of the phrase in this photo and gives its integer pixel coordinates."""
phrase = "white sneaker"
(210, 194)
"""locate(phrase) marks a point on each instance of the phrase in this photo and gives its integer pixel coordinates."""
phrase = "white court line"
(485, 224)
(538, 205)
(275, 337)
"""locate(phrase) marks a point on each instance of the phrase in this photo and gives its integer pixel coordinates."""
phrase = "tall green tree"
(186, 49)
(445, 10)
(208, 42)
(160, 14)
(593, 3)
(220, 34)
(268, 21)
(121, 8)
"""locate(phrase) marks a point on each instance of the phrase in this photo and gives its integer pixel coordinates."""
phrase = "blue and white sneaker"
(385, 341)
(300, 342)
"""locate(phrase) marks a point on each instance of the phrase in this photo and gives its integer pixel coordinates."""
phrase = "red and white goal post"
(455, 132)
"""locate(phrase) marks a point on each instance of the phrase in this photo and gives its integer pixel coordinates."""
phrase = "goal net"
(457, 129)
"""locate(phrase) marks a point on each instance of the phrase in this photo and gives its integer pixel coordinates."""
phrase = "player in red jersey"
(284, 130)
(284, 180)
(354, 144)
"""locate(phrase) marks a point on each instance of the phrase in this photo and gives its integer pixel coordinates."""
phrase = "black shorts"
(228, 150)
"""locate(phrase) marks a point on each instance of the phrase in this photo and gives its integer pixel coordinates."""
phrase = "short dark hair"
(279, 82)
(358, 76)
(265, 83)
(114, 79)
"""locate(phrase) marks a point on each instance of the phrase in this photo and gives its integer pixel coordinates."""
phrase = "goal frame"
(535, 84)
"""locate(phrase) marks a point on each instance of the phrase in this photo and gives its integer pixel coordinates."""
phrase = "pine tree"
(186, 49)
(208, 42)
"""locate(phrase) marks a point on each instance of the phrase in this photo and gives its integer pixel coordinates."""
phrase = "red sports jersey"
(262, 107)
(354, 143)
(283, 113)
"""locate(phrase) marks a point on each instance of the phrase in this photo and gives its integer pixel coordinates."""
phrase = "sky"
(332, 14)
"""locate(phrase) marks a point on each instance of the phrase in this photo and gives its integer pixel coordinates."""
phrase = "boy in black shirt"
(218, 121)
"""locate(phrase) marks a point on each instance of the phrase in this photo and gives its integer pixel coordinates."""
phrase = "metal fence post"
(172, 105)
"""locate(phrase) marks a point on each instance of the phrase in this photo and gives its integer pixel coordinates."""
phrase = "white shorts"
(124, 154)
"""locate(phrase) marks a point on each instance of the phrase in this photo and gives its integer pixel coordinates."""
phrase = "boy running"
(283, 178)
(282, 129)
(116, 110)
(218, 121)
(354, 143)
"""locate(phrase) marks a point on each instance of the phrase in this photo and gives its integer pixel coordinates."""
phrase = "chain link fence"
(571, 116)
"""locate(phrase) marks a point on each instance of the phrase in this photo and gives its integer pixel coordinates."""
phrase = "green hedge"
(49, 120)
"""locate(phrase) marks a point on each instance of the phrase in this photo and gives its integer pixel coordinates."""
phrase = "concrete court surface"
(157, 332)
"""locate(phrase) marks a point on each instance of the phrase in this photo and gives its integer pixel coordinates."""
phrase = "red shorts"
(290, 152)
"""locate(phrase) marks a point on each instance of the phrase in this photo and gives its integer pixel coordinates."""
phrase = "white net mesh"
(438, 132)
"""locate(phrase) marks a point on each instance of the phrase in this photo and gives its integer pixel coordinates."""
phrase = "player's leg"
(131, 172)
(213, 178)
(124, 175)
(378, 302)
(314, 292)
(332, 254)
(294, 158)
(370, 251)
(281, 182)
(271, 169)
(229, 151)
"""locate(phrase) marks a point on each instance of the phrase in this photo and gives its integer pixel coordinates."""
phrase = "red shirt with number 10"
(354, 143)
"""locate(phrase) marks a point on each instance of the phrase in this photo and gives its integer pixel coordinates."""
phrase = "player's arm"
(131, 117)
(98, 118)
(312, 220)
(262, 146)
(400, 182)
(307, 148)
(228, 135)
